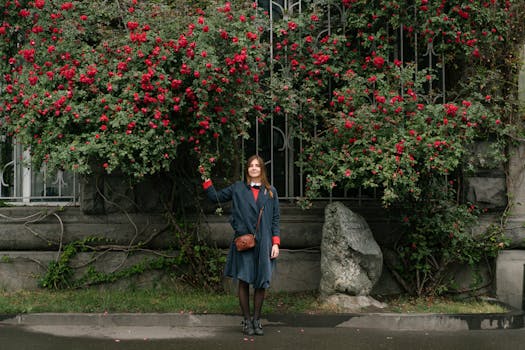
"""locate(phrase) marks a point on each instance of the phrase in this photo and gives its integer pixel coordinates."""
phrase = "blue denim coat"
(253, 266)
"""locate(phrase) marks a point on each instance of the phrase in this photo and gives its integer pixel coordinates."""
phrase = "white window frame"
(25, 178)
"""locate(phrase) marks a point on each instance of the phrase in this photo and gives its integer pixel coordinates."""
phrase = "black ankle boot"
(257, 327)
(247, 327)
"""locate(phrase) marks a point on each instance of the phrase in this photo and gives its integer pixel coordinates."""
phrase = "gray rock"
(348, 303)
(351, 260)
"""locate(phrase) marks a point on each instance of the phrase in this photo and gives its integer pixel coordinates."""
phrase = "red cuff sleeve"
(276, 240)
(207, 184)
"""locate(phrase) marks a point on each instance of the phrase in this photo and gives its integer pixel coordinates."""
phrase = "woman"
(251, 267)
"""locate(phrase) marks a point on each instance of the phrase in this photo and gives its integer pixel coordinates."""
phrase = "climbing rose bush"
(125, 87)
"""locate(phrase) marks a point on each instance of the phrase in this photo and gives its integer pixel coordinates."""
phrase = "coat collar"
(261, 198)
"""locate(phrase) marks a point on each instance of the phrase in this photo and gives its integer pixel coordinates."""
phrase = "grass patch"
(95, 300)
(442, 305)
(184, 300)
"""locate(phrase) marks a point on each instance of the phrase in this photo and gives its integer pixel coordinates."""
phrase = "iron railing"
(21, 184)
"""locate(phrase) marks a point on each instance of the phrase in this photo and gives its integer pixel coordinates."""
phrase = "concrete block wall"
(510, 263)
(30, 238)
(510, 267)
(22, 270)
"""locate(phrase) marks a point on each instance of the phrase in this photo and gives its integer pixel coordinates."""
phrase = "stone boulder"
(351, 260)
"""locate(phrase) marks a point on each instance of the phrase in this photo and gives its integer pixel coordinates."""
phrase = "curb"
(401, 322)
(436, 322)
(122, 319)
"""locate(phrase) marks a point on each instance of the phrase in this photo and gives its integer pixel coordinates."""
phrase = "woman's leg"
(244, 302)
(244, 299)
(258, 299)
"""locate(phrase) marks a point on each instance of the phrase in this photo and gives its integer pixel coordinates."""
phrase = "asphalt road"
(44, 337)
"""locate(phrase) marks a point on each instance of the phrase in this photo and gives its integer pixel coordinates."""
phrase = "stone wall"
(511, 263)
(487, 186)
(30, 238)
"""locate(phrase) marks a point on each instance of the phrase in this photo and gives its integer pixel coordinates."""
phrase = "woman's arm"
(215, 196)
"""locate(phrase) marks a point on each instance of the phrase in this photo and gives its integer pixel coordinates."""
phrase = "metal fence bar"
(21, 184)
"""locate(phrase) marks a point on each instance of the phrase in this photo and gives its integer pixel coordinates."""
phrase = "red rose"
(67, 6)
(132, 25)
(379, 62)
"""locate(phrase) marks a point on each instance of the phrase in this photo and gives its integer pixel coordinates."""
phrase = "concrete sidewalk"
(391, 321)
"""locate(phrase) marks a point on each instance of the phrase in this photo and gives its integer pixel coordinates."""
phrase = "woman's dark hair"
(264, 176)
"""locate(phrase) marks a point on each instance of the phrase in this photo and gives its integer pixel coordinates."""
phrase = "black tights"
(244, 300)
